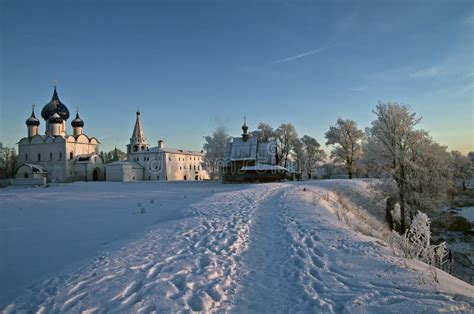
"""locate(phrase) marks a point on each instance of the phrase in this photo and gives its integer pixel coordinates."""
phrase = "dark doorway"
(196, 178)
(95, 175)
(185, 178)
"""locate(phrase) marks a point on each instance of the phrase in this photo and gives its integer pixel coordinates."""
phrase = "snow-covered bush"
(418, 238)
(415, 244)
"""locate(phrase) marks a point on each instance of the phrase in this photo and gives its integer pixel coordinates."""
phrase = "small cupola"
(77, 122)
(245, 128)
(32, 123)
(32, 120)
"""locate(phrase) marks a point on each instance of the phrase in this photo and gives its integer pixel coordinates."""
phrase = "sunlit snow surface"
(197, 246)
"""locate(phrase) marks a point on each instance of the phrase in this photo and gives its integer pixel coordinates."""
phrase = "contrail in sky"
(301, 55)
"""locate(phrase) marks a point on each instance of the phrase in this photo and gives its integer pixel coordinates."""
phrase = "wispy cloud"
(357, 89)
(301, 55)
(469, 19)
(428, 72)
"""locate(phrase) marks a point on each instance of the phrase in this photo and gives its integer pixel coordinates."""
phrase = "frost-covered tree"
(461, 167)
(312, 154)
(345, 138)
(429, 174)
(8, 162)
(264, 132)
(286, 138)
(118, 154)
(113, 155)
(214, 151)
(415, 168)
(299, 155)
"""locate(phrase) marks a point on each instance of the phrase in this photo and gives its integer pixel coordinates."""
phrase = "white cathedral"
(57, 155)
(145, 163)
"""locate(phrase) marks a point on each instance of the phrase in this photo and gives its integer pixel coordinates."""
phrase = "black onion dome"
(55, 118)
(55, 106)
(77, 122)
(32, 121)
(245, 127)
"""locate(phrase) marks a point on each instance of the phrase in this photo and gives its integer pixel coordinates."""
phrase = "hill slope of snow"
(212, 247)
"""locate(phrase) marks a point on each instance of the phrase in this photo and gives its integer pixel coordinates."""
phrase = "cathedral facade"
(145, 163)
(57, 155)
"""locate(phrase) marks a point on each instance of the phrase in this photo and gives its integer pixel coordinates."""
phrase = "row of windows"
(138, 158)
(190, 158)
(169, 159)
(60, 156)
(191, 167)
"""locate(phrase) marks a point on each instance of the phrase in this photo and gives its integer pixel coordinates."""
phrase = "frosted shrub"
(416, 244)
(418, 238)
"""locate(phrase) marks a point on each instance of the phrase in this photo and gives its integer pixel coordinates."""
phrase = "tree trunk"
(350, 173)
(402, 199)
(389, 207)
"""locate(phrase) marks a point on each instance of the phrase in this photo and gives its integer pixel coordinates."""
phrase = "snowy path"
(262, 249)
(271, 282)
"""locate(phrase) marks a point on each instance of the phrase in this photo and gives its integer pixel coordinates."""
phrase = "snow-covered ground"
(203, 247)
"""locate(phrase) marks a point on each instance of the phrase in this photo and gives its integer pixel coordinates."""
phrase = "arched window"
(26, 157)
(50, 156)
(39, 157)
(60, 155)
(71, 155)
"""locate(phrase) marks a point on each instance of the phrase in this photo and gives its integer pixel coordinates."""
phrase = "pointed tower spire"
(138, 140)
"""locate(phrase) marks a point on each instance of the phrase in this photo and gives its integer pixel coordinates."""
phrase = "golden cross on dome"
(55, 83)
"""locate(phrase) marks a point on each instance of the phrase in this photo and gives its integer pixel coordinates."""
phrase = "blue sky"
(194, 65)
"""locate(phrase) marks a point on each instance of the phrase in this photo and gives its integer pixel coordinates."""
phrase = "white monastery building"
(146, 163)
(57, 155)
